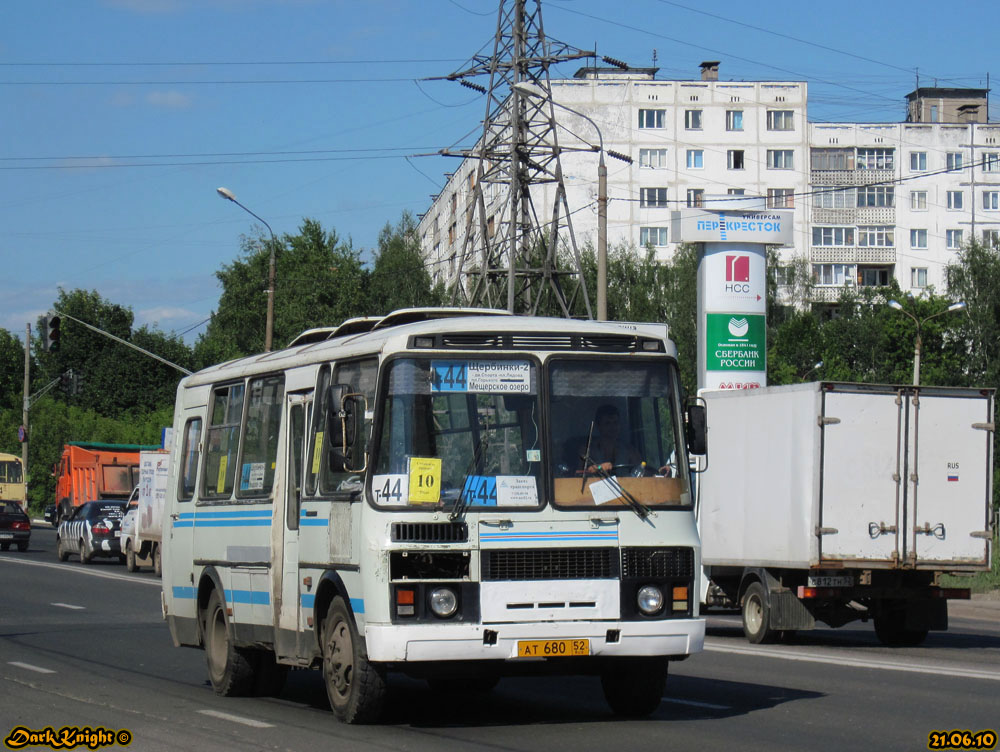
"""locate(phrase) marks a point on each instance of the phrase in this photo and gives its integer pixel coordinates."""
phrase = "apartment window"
(991, 238)
(873, 277)
(832, 159)
(875, 159)
(780, 120)
(918, 239)
(692, 120)
(830, 197)
(654, 158)
(918, 161)
(876, 196)
(833, 236)
(955, 199)
(953, 160)
(652, 118)
(784, 275)
(876, 236)
(833, 274)
(934, 113)
(918, 276)
(451, 232)
(736, 192)
(491, 226)
(991, 161)
(695, 197)
(734, 120)
(780, 159)
(991, 200)
(918, 200)
(695, 159)
(736, 159)
(653, 198)
(454, 203)
(655, 236)
(780, 198)
(953, 239)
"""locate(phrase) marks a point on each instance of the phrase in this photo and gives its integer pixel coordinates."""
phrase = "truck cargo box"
(829, 474)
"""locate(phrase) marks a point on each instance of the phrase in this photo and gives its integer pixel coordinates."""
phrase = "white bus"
(439, 492)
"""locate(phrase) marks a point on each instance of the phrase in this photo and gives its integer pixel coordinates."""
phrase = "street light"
(535, 92)
(959, 306)
(269, 326)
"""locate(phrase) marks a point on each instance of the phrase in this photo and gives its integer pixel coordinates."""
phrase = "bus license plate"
(552, 648)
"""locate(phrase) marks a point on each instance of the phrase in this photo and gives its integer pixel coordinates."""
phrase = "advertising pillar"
(732, 286)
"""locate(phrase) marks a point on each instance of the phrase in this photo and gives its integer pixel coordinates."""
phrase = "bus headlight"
(444, 602)
(649, 599)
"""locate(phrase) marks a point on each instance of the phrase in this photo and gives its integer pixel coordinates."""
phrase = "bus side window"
(296, 439)
(223, 441)
(259, 444)
(318, 438)
(189, 459)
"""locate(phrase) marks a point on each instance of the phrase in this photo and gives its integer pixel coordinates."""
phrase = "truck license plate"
(552, 648)
(831, 581)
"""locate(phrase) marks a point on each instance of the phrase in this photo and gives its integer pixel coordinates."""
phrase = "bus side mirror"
(345, 414)
(696, 429)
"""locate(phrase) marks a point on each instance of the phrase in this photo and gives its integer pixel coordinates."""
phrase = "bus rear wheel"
(230, 669)
(355, 687)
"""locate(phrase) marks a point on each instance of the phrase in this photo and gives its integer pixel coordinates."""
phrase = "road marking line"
(236, 719)
(872, 663)
(28, 666)
(81, 570)
(696, 704)
(69, 605)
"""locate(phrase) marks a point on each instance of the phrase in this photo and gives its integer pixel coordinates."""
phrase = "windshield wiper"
(461, 503)
(637, 506)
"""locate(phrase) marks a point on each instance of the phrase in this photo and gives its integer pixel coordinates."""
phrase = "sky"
(120, 118)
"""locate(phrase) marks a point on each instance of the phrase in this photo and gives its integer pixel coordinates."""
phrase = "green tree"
(399, 278)
(11, 369)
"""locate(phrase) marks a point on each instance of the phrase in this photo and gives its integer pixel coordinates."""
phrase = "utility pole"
(510, 256)
(25, 403)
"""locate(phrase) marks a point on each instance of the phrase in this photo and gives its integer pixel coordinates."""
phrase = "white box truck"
(141, 541)
(834, 502)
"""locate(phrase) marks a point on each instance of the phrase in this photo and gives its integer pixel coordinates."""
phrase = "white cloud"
(171, 100)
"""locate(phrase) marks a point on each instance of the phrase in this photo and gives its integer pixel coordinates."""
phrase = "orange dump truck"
(89, 471)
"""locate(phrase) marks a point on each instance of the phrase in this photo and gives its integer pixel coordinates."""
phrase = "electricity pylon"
(510, 256)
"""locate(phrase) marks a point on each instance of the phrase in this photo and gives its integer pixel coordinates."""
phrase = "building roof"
(946, 93)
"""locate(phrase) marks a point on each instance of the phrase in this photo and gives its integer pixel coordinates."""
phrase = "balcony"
(827, 255)
(851, 177)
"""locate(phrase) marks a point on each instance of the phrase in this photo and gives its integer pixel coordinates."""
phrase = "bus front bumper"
(461, 642)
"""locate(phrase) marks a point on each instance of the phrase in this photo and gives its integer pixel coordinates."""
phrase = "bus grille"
(430, 532)
(657, 562)
(549, 564)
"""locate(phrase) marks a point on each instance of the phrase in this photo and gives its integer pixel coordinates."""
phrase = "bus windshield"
(10, 471)
(459, 432)
(616, 433)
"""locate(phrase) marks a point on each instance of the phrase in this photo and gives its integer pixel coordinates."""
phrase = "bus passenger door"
(285, 558)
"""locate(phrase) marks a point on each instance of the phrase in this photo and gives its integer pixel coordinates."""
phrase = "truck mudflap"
(788, 612)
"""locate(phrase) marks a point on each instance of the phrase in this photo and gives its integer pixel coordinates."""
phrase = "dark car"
(15, 526)
(93, 529)
(50, 515)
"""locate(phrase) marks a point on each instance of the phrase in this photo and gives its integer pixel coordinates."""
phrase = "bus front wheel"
(634, 688)
(356, 688)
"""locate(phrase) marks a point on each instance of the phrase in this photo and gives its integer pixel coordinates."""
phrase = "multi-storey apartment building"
(872, 200)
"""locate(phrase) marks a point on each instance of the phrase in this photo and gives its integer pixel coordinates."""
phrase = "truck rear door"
(859, 491)
(949, 484)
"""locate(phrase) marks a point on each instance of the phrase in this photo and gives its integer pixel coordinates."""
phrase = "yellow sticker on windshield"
(424, 480)
(317, 452)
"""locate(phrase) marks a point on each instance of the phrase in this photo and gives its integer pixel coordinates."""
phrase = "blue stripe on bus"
(232, 523)
(358, 605)
(184, 592)
(252, 597)
(308, 600)
(310, 522)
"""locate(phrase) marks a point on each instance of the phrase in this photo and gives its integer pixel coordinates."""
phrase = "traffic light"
(66, 381)
(76, 383)
(50, 333)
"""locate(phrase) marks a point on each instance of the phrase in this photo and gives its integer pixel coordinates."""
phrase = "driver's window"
(359, 376)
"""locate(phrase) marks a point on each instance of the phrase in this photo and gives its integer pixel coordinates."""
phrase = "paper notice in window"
(517, 491)
(605, 490)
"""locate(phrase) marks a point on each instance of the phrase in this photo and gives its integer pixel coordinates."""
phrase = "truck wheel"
(890, 626)
(157, 562)
(230, 669)
(356, 688)
(130, 564)
(61, 553)
(634, 689)
(757, 615)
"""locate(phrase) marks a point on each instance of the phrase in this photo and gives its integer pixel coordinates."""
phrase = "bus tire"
(230, 669)
(157, 563)
(634, 689)
(130, 564)
(355, 687)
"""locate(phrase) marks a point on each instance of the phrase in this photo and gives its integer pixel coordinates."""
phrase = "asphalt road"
(86, 646)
